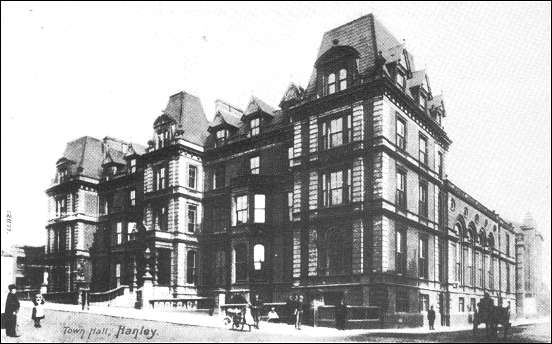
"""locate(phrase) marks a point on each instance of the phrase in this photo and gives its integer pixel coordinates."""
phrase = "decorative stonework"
(313, 251)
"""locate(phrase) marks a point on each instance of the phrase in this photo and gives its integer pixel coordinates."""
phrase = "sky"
(69, 70)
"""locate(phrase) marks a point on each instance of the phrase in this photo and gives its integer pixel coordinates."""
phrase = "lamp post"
(146, 291)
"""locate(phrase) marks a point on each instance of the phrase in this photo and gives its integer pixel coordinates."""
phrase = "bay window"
(336, 132)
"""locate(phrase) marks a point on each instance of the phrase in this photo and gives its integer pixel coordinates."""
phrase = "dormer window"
(400, 79)
(342, 79)
(221, 136)
(62, 175)
(112, 170)
(336, 84)
(254, 126)
(331, 83)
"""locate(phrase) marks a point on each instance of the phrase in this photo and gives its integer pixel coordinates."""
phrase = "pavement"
(216, 321)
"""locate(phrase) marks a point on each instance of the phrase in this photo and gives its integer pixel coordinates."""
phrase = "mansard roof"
(366, 35)
(87, 153)
(187, 112)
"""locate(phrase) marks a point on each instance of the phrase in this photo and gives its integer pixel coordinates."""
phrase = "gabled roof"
(293, 94)
(135, 149)
(419, 78)
(187, 112)
(225, 117)
(257, 105)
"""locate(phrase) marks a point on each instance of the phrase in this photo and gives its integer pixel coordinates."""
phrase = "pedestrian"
(341, 315)
(248, 317)
(12, 308)
(272, 315)
(290, 308)
(38, 310)
(431, 318)
(256, 310)
(299, 312)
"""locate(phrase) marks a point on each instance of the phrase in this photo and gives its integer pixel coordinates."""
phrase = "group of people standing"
(295, 307)
(10, 320)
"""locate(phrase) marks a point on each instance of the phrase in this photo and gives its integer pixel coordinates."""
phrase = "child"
(38, 310)
(272, 315)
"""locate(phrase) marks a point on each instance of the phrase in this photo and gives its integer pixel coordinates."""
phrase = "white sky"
(91, 69)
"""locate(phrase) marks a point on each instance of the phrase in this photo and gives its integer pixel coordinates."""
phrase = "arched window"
(342, 79)
(258, 256)
(490, 240)
(331, 83)
(482, 238)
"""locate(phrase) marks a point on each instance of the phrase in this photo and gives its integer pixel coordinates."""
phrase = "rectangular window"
(220, 267)
(401, 301)
(423, 258)
(472, 304)
(423, 203)
(218, 177)
(192, 218)
(160, 178)
(331, 83)
(342, 79)
(508, 278)
(401, 133)
(336, 132)
(160, 218)
(191, 263)
(259, 213)
(241, 209)
(461, 308)
(221, 136)
(400, 196)
(290, 206)
(131, 231)
(119, 239)
(424, 302)
(290, 156)
(336, 187)
(163, 266)
(401, 80)
(400, 251)
(458, 265)
(480, 275)
(423, 149)
(491, 273)
(440, 164)
(192, 177)
(254, 126)
(240, 258)
(132, 197)
(117, 275)
(507, 244)
(254, 165)
(468, 265)
(132, 165)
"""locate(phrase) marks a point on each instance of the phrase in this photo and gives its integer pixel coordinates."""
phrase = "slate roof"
(256, 104)
(86, 154)
(186, 110)
(227, 117)
(366, 35)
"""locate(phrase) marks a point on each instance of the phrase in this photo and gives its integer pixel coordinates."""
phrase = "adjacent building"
(340, 193)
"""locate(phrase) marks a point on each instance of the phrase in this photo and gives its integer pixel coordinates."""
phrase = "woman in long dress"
(248, 318)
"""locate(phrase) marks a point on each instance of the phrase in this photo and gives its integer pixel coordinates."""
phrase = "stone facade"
(339, 194)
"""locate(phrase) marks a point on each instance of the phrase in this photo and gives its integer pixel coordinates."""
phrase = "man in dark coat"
(256, 307)
(341, 315)
(12, 307)
(431, 318)
(290, 306)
